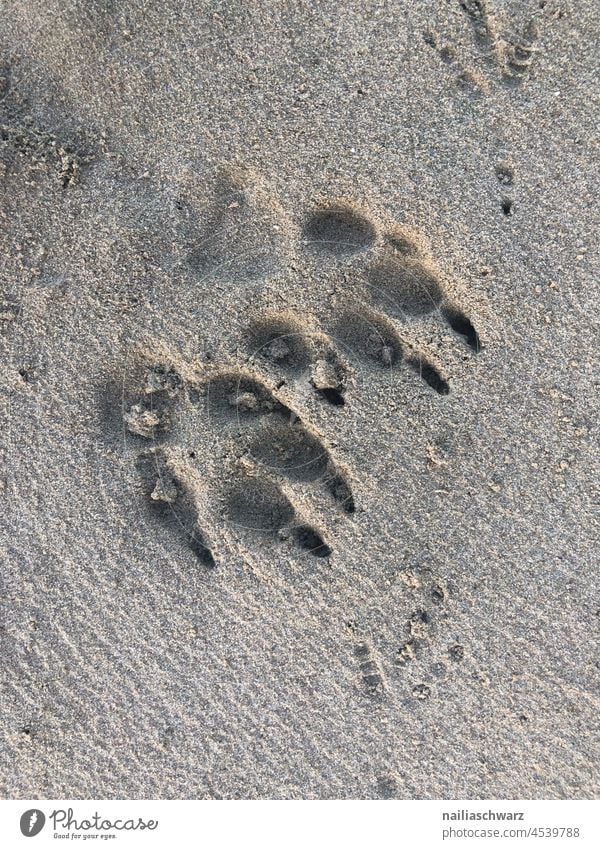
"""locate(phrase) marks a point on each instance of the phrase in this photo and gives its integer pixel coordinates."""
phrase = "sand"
(298, 336)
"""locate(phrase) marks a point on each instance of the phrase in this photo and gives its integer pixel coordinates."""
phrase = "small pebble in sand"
(245, 401)
(324, 375)
(142, 422)
(164, 490)
(406, 653)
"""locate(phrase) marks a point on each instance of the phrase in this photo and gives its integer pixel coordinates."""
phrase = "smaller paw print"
(500, 48)
(263, 449)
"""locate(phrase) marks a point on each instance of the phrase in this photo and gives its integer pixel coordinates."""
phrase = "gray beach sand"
(298, 344)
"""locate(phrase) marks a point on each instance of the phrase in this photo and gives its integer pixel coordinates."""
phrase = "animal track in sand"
(500, 49)
(266, 445)
(339, 229)
(269, 451)
(281, 341)
(512, 54)
(243, 237)
(408, 659)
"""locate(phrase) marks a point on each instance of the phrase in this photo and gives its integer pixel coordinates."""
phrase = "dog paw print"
(264, 444)
(402, 291)
(227, 444)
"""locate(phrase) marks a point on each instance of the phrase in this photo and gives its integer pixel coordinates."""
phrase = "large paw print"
(262, 449)
(402, 289)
